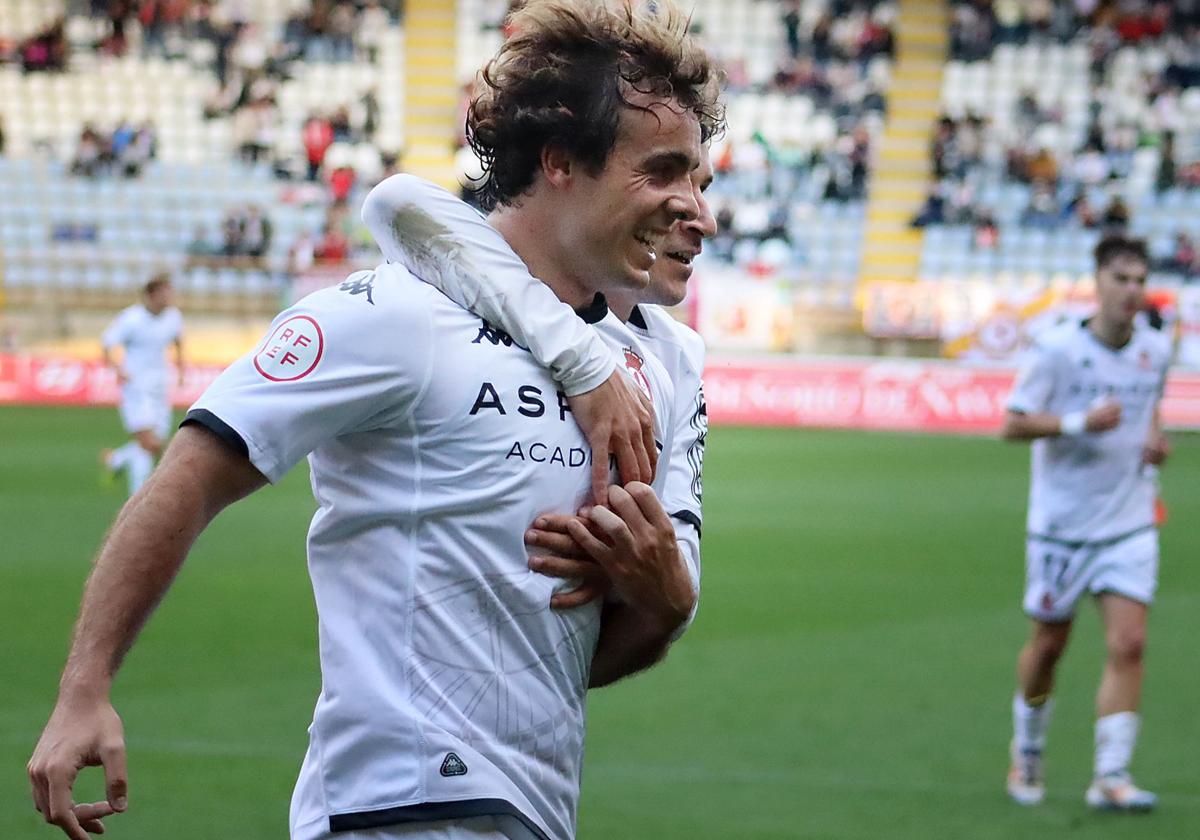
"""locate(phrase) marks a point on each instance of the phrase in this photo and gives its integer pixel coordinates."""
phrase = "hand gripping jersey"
(144, 338)
(445, 242)
(450, 689)
(1092, 487)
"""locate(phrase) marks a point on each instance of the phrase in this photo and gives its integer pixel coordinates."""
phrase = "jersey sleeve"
(1035, 382)
(687, 536)
(329, 366)
(444, 242)
(118, 331)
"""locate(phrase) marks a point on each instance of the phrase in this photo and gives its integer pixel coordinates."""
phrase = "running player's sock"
(1030, 722)
(119, 458)
(141, 463)
(1115, 738)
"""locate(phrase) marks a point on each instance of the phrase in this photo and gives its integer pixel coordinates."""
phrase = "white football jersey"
(144, 338)
(445, 242)
(449, 687)
(1092, 487)
(682, 351)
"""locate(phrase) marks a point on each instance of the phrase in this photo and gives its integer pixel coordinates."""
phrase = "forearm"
(1031, 426)
(143, 553)
(444, 242)
(630, 641)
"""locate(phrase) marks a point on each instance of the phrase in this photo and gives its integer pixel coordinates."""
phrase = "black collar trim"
(638, 319)
(594, 312)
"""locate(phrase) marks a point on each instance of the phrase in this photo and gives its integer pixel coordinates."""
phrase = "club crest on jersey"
(292, 351)
(634, 364)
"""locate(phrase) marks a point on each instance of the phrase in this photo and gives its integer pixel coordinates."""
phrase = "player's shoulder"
(1058, 340)
(663, 328)
(1154, 341)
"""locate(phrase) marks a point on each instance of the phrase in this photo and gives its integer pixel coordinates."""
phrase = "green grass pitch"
(849, 675)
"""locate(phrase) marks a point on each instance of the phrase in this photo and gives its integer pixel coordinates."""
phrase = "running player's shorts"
(1058, 573)
(145, 409)
(471, 828)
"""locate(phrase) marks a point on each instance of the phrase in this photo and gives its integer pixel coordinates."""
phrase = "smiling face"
(672, 270)
(1121, 289)
(618, 220)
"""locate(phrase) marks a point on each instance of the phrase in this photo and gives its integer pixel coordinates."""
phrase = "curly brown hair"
(564, 76)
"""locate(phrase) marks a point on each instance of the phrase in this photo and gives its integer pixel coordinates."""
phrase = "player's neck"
(621, 305)
(1115, 334)
(538, 253)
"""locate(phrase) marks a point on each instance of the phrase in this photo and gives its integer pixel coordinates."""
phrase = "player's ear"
(557, 166)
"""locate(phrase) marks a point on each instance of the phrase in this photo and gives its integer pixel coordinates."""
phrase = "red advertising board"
(899, 395)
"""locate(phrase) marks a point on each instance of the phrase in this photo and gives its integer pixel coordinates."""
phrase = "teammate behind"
(143, 332)
(1088, 397)
(445, 242)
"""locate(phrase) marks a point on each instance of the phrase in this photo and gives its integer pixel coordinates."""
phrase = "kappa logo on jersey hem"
(293, 350)
(452, 765)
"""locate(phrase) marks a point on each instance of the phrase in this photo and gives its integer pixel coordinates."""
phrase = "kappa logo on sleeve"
(293, 351)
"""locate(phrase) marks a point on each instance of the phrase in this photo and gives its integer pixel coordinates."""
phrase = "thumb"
(116, 777)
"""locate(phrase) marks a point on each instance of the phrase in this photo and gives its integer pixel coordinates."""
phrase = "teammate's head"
(590, 120)
(156, 294)
(672, 270)
(1122, 264)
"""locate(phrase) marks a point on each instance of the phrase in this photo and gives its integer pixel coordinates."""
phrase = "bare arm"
(1022, 426)
(198, 477)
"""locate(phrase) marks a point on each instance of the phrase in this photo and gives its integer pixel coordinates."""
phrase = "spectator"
(1042, 211)
(334, 245)
(1042, 168)
(1115, 218)
(231, 233)
(256, 232)
(90, 153)
(933, 211)
(791, 26)
(985, 233)
(373, 21)
(1166, 165)
(317, 137)
(47, 50)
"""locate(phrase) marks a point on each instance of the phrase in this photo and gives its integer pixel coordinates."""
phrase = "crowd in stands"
(827, 60)
(125, 150)
(1084, 186)
(245, 232)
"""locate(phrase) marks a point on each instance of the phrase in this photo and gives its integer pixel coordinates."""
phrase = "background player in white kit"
(1088, 397)
(450, 690)
(144, 331)
(445, 242)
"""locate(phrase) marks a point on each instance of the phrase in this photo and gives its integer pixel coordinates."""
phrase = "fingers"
(89, 816)
(578, 597)
(649, 505)
(595, 548)
(630, 463)
(648, 436)
(600, 457)
(554, 543)
(61, 808)
(614, 526)
(116, 777)
(566, 568)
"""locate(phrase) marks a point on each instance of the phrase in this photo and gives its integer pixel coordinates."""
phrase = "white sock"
(1029, 724)
(140, 464)
(119, 458)
(1115, 739)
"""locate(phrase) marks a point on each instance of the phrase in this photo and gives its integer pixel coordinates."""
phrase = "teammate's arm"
(113, 336)
(1158, 446)
(444, 242)
(199, 476)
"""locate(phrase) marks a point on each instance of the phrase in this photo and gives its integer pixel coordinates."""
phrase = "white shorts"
(1059, 573)
(470, 828)
(145, 409)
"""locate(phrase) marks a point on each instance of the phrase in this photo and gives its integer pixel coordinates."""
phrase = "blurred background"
(908, 191)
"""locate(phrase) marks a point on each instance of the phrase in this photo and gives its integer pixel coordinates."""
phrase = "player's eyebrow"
(670, 161)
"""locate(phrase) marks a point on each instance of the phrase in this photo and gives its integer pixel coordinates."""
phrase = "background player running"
(143, 332)
(1088, 398)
